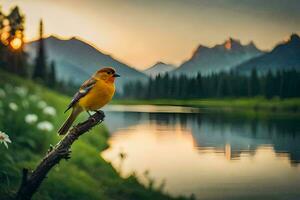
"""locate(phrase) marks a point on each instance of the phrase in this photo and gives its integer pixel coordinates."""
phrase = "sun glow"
(16, 43)
(228, 45)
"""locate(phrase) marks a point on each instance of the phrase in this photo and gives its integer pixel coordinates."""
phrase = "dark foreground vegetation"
(85, 176)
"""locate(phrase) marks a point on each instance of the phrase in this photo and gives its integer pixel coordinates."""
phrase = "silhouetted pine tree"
(12, 55)
(51, 82)
(269, 85)
(2, 46)
(198, 87)
(254, 84)
(40, 68)
(282, 84)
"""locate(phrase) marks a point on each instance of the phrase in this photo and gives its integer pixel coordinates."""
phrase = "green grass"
(85, 176)
(258, 104)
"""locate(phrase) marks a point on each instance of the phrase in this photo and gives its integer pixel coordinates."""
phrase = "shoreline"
(258, 105)
(85, 174)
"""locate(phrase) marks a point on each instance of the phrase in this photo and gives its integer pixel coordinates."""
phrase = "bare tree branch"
(31, 181)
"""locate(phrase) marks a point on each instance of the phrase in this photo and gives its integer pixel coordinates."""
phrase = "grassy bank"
(85, 176)
(291, 106)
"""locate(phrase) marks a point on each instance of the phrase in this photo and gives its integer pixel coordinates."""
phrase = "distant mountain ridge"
(77, 60)
(222, 57)
(159, 68)
(284, 56)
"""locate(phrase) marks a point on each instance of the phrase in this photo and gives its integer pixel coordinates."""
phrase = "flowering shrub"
(24, 115)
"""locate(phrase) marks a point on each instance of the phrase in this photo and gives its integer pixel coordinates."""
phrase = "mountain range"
(77, 60)
(159, 68)
(222, 57)
(284, 56)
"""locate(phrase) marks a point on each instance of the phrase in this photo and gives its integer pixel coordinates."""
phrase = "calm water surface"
(212, 156)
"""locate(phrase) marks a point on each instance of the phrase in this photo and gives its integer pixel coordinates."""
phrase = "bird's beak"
(116, 75)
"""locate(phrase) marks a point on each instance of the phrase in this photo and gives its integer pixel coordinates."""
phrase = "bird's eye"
(108, 72)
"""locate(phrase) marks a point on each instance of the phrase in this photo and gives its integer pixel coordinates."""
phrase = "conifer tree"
(14, 57)
(253, 84)
(40, 68)
(2, 46)
(283, 84)
(52, 75)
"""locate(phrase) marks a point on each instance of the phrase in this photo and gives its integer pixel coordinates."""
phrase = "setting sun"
(16, 43)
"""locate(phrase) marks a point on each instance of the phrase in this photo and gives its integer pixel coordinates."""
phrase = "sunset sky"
(142, 32)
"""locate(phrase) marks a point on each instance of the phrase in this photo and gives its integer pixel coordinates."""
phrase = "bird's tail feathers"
(68, 123)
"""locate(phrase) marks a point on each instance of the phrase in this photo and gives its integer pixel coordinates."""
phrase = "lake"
(187, 151)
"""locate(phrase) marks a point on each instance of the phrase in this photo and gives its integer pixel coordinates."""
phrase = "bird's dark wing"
(83, 90)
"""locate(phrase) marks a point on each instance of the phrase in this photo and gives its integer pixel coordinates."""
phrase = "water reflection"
(211, 155)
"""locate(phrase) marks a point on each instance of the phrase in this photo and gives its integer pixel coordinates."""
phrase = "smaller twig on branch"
(31, 181)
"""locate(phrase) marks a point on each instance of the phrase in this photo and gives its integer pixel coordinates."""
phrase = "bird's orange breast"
(98, 96)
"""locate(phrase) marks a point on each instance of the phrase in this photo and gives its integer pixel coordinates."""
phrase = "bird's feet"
(64, 153)
(88, 113)
(100, 112)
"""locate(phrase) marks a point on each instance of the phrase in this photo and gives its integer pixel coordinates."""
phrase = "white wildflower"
(45, 126)
(13, 106)
(21, 91)
(4, 139)
(2, 93)
(31, 118)
(42, 104)
(49, 111)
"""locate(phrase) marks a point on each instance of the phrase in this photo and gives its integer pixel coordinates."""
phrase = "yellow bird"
(92, 95)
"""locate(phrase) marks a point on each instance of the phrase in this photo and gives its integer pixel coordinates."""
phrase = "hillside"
(76, 60)
(284, 56)
(222, 57)
(85, 176)
(159, 68)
